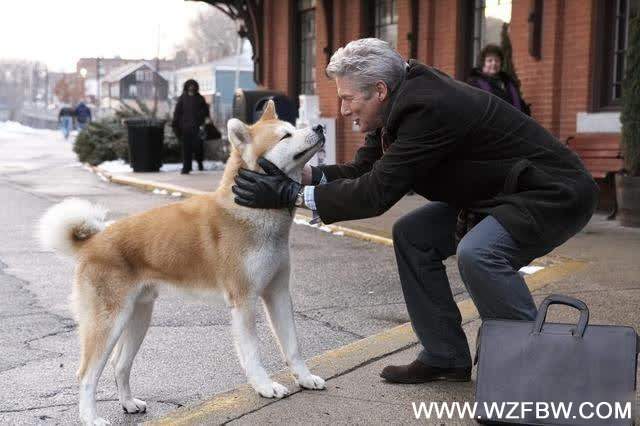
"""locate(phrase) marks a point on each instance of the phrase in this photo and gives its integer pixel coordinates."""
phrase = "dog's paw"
(99, 421)
(311, 382)
(271, 390)
(134, 406)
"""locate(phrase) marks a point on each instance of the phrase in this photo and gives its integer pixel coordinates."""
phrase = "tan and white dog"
(204, 244)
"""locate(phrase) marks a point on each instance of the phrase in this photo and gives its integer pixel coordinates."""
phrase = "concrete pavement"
(598, 266)
(188, 354)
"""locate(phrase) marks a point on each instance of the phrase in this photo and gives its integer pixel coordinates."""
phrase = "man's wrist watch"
(299, 198)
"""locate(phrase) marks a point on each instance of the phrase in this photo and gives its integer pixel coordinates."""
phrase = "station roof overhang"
(246, 13)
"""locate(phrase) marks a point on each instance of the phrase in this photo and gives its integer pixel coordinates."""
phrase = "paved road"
(343, 289)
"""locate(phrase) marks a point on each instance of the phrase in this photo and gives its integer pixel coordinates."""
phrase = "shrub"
(100, 141)
(630, 116)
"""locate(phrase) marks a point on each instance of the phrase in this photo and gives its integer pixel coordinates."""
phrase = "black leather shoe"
(418, 372)
(185, 172)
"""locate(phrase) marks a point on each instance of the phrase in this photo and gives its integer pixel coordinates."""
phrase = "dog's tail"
(67, 225)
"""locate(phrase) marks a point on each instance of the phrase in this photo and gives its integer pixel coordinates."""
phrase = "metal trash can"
(146, 139)
(249, 104)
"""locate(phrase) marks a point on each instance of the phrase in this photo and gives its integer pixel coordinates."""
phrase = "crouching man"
(477, 159)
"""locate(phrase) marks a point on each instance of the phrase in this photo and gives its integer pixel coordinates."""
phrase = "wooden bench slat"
(597, 136)
(609, 164)
(579, 145)
(598, 153)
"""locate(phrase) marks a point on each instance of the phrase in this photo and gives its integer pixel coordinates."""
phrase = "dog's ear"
(238, 132)
(270, 111)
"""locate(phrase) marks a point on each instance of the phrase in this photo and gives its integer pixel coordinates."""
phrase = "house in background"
(94, 70)
(134, 81)
(218, 82)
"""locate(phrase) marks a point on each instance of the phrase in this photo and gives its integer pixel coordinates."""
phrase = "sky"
(498, 9)
(59, 32)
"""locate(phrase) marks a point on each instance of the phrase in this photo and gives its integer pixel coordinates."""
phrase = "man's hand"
(274, 190)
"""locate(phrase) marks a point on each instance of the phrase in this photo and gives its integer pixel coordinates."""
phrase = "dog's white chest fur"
(269, 252)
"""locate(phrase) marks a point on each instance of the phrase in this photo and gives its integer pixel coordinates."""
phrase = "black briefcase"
(541, 373)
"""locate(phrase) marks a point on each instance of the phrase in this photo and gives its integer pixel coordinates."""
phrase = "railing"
(38, 118)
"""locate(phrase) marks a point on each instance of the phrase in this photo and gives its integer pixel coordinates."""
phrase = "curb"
(149, 185)
(233, 404)
(242, 400)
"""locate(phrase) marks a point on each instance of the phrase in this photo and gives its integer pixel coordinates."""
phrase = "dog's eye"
(286, 135)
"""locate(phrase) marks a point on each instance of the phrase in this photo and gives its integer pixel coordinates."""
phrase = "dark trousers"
(191, 144)
(488, 259)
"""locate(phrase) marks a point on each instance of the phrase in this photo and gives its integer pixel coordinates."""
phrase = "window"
(612, 34)
(479, 30)
(306, 19)
(133, 91)
(144, 75)
(481, 24)
(385, 21)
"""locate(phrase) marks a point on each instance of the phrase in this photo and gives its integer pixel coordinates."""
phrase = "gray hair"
(367, 61)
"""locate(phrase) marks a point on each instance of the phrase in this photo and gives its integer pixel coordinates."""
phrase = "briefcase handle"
(562, 300)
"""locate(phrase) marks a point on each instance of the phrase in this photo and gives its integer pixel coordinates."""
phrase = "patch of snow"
(119, 166)
(115, 166)
(15, 130)
(531, 269)
(323, 228)
(208, 166)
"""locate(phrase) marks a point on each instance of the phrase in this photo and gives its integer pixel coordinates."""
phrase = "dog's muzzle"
(319, 132)
(316, 139)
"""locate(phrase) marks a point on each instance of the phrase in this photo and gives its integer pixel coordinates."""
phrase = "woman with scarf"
(490, 77)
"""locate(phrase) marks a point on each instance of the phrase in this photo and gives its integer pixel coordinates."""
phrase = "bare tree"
(69, 89)
(213, 35)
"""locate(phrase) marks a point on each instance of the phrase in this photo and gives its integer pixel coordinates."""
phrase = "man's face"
(365, 109)
(191, 90)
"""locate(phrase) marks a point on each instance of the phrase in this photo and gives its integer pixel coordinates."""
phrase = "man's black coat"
(455, 143)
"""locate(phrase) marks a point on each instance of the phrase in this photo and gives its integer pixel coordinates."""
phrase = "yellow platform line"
(150, 185)
(232, 404)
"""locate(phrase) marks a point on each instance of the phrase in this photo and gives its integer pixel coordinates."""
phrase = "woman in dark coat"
(191, 112)
(490, 77)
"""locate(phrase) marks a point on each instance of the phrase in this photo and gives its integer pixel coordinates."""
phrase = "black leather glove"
(274, 190)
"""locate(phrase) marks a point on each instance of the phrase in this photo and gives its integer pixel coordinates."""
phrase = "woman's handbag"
(523, 365)
(210, 132)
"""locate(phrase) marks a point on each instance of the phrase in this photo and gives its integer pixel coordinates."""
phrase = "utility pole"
(34, 83)
(238, 58)
(46, 86)
(156, 75)
(98, 84)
